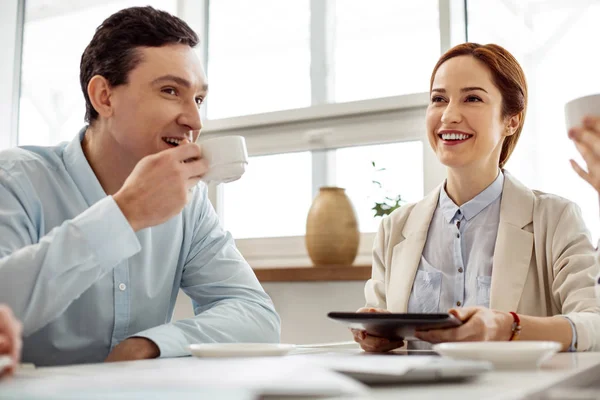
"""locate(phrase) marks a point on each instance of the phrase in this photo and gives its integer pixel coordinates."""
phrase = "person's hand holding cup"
(583, 124)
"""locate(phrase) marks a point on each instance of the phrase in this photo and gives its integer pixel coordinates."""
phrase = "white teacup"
(227, 158)
(576, 110)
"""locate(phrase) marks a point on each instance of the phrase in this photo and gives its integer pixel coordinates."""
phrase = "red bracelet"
(516, 327)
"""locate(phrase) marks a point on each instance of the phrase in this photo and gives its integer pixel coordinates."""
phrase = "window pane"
(272, 198)
(55, 35)
(384, 48)
(402, 175)
(259, 56)
(551, 40)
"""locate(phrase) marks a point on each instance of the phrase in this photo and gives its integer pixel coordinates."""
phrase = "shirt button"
(460, 270)
(458, 235)
(122, 287)
(458, 303)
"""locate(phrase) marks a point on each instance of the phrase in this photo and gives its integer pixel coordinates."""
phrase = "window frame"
(12, 22)
(327, 125)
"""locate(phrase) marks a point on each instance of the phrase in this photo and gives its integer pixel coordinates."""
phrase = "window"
(385, 48)
(274, 196)
(55, 35)
(272, 199)
(398, 168)
(551, 41)
(259, 56)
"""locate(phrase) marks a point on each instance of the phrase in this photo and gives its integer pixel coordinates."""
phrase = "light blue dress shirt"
(81, 280)
(456, 264)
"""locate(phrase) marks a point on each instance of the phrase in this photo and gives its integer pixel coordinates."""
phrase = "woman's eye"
(473, 99)
(437, 99)
(199, 101)
(170, 91)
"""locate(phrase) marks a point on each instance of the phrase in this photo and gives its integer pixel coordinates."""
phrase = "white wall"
(9, 38)
(303, 308)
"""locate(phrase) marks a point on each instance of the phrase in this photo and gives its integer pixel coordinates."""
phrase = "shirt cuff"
(108, 232)
(573, 347)
(169, 339)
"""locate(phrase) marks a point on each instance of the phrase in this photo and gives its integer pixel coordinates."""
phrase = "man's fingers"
(196, 169)
(11, 329)
(17, 347)
(187, 151)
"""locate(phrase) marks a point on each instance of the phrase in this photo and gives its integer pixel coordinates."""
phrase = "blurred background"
(321, 89)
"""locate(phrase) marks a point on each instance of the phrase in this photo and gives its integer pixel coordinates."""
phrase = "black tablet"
(396, 325)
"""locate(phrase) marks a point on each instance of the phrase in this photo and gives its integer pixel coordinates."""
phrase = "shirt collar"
(80, 170)
(474, 206)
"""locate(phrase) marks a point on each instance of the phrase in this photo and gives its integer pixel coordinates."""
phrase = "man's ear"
(512, 124)
(99, 91)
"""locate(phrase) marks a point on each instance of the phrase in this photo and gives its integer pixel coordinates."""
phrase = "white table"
(564, 370)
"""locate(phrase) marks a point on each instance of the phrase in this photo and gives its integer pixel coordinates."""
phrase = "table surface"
(565, 370)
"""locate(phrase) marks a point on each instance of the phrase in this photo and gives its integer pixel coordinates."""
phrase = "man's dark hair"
(113, 53)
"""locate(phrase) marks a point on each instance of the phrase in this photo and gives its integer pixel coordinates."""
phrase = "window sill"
(314, 274)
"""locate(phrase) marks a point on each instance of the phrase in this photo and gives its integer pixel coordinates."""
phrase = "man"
(10, 341)
(98, 235)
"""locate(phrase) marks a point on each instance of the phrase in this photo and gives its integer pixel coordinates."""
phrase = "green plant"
(388, 204)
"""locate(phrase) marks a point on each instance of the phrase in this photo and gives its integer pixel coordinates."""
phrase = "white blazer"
(543, 263)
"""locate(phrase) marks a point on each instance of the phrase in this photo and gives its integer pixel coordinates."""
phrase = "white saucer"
(517, 354)
(240, 349)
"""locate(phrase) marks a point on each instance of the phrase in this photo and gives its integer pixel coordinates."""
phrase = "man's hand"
(135, 348)
(158, 187)
(10, 338)
(479, 324)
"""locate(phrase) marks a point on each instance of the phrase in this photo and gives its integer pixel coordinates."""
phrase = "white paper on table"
(277, 376)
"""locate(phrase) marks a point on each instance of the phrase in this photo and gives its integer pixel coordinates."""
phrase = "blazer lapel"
(407, 253)
(514, 245)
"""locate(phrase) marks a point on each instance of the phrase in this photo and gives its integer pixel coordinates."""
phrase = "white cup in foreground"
(576, 110)
(227, 158)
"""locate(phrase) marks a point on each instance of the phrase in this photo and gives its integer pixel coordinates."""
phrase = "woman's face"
(464, 118)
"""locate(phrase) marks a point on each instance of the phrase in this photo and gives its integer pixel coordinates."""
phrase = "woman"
(483, 245)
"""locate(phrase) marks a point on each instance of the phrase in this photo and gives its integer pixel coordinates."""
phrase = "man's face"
(160, 103)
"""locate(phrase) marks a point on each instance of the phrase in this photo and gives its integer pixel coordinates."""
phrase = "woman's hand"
(374, 344)
(479, 324)
(587, 141)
